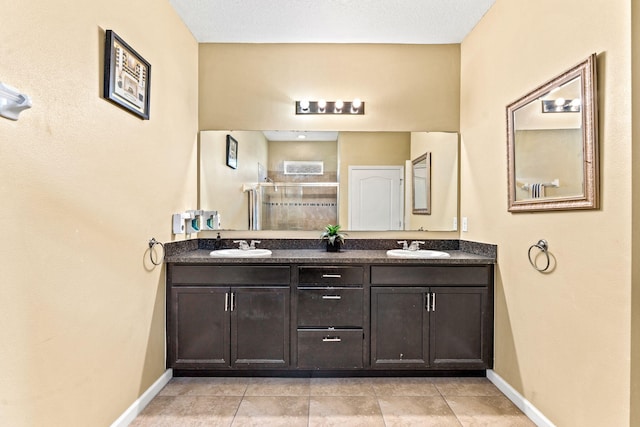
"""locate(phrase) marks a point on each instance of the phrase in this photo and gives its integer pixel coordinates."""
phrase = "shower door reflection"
(293, 205)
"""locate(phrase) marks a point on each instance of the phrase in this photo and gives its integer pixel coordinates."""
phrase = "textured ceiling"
(331, 21)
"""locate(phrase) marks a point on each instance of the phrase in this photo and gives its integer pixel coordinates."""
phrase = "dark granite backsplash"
(351, 244)
(478, 248)
(175, 248)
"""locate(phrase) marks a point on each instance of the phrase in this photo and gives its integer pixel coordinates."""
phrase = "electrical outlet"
(455, 223)
(465, 224)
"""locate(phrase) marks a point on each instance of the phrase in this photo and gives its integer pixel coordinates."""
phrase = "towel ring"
(152, 243)
(543, 246)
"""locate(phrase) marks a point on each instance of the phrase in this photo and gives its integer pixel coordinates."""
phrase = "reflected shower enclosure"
(293, 205)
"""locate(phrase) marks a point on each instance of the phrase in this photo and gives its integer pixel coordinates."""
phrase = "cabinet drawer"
(330, 307)
(331, 276)
(423, 275)
(230, 274)
(330, 348)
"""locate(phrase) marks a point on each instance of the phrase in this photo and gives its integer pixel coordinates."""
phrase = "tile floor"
(314, 402)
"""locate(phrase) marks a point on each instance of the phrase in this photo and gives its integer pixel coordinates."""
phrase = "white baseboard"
(136, 407)
(523, 404)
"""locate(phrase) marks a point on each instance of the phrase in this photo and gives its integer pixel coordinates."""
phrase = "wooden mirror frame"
(426, 158)
(586, 71)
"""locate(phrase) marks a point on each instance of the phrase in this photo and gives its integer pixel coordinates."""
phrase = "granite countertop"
(319, 256)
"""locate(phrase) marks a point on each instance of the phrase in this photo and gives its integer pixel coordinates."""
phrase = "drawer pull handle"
(331, 297)
(331, 339)
(331, 276)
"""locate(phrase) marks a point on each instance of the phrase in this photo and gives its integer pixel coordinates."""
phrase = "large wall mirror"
(304, 180)
(552, 144)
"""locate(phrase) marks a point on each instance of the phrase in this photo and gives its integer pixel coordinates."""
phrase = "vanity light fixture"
(355, 107)
(561, 105)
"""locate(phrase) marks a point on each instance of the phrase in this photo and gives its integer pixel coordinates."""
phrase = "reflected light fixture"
(355, 107)
(561, 105)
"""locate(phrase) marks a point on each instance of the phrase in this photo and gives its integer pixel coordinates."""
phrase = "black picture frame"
(127, 76)
(232, 152)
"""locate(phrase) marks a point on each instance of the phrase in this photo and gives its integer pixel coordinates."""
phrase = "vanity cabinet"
(448, 326)
(223, 317)
(269, 316)
(399, 327)
(330, 317)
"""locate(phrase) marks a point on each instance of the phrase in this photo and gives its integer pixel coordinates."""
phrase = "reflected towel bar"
(526, 186)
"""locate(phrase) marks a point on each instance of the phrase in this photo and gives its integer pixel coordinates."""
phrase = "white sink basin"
(422, 253)
(239, 253)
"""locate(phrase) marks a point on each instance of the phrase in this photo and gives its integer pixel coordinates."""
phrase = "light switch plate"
(465, 224)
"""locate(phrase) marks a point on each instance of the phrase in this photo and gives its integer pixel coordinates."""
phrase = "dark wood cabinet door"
(260, 327)
(459, 320)
(199, 328)
(399, 327)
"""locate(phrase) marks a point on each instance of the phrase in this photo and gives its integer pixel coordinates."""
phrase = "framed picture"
(127, 76)
(232, 152)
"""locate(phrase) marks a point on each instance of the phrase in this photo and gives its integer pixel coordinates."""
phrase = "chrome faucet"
(404, 244)
(243, 244)
(415, 245)
(253, 244)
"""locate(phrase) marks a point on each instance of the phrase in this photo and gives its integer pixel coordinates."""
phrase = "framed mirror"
(421, 176)
(552, 144)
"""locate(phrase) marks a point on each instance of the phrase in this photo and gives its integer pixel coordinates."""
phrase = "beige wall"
(221, 186)
(404, 87)
(324, 151)
(542, 156)
(444, 180)
(84, 185)
(635, 229)
(561, 339)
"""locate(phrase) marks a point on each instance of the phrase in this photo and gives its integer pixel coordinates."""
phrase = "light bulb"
(355, 105)
(304, 105)
(322, 104)
(338, 105)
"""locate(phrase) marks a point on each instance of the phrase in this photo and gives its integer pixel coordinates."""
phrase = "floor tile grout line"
(375, 393)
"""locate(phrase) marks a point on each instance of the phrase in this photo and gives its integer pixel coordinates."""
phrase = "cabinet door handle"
(331, 297)
(428, 302)
(226, 301)
(233, 302)
(331, 276)
(433, 302)
(331, 339)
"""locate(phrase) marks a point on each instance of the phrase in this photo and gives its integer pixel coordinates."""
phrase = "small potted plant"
(333, 237)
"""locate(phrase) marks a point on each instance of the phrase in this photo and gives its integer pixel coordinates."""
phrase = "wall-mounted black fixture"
(354, 107)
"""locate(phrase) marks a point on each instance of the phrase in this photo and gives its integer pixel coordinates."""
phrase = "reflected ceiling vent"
(292, 167)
